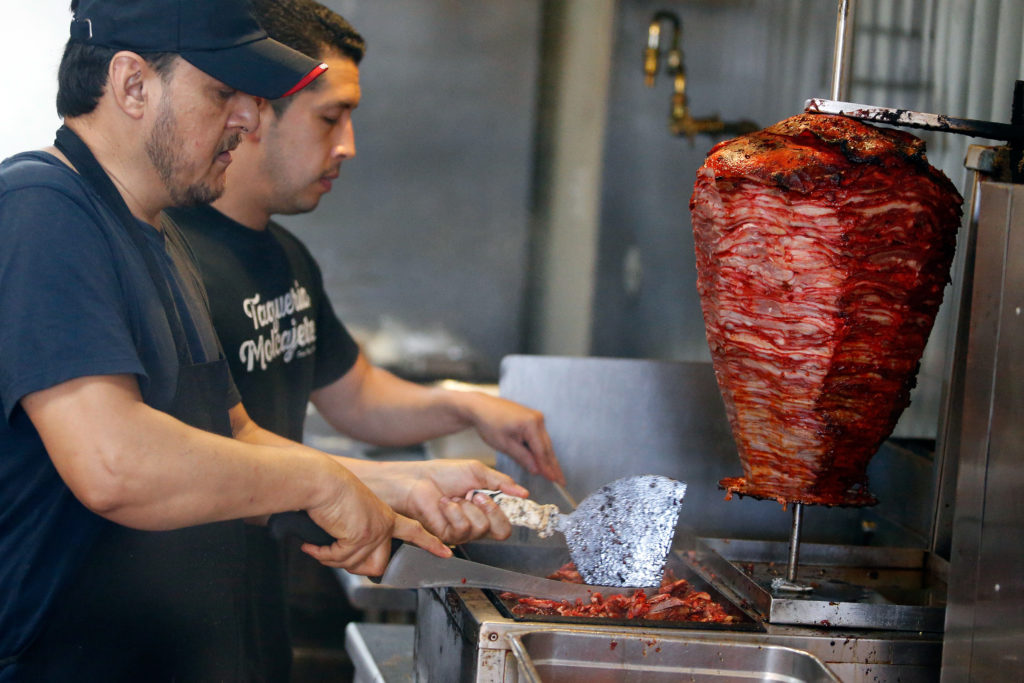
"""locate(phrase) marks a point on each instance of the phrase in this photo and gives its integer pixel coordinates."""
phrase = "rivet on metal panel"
(492, 636)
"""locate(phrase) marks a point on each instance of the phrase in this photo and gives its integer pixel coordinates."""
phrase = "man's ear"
(128, 78)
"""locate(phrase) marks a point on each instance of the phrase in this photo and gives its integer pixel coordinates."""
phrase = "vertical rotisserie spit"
(823, 245)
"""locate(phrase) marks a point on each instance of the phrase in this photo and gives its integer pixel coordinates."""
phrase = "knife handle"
(525, 512)
(298, 524)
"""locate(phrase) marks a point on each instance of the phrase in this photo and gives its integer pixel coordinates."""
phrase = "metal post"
(790, 584)
(794, 542)
(842, 50)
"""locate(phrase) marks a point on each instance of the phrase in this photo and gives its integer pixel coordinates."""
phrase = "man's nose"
(246, 114)
(345, 147)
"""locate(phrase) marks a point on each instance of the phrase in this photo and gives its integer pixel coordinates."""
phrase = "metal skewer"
(790, 584)
(841, 60)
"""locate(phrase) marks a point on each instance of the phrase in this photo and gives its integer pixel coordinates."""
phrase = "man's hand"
(363, 526)
(517, 431)
(434, 492)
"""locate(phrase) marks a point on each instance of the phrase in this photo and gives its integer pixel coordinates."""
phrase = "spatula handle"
(525, 512)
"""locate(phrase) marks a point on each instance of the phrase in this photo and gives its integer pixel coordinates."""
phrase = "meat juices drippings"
(823, 245)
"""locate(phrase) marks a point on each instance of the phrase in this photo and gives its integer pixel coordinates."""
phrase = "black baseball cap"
(220, 37)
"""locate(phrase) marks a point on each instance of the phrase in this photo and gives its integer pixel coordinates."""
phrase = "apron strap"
(79, 154)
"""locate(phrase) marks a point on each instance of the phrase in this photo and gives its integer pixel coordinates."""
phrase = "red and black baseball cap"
(220, 37)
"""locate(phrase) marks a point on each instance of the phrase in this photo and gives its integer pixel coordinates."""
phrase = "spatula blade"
(621, 534)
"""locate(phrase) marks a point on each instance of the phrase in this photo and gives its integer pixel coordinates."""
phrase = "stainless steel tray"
(900, 589)
(617, 657)
(541, 559)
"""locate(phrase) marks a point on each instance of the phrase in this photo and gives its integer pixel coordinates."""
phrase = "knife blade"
(914, 119)
(413, 567)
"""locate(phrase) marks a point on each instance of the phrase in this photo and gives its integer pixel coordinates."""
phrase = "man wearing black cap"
(121, 553)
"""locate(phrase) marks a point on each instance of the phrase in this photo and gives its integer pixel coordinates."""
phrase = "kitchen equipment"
(468, 635)
(617, 536)
(670, 418)
(554, 655)
(413, 567)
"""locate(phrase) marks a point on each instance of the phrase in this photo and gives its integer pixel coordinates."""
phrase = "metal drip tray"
(901, 589)
(619, 658)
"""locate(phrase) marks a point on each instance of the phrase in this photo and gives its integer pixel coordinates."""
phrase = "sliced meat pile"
(675, 601)
(823, 246)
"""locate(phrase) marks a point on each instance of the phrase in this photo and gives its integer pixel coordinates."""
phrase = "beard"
(165, 148)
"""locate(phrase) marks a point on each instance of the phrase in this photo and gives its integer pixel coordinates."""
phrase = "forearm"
(380, 477)
(379, 408)
(373, 405)
(142, 468)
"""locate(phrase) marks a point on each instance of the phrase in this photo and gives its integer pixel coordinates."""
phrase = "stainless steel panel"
(985, 616)
(615, 657)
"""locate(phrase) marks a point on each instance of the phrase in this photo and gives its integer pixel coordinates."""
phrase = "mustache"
(230, 144)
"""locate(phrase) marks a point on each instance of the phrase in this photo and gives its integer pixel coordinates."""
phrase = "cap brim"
(264, 67)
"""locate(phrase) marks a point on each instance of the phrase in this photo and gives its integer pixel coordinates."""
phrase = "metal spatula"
(619, 535)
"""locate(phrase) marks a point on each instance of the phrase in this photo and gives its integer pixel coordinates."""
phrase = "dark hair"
(310, 28)
(82, 76)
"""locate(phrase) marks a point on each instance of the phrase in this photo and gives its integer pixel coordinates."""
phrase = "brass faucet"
(681, 122)
(653, 52)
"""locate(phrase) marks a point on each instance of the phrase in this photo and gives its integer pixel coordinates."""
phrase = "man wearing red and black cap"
(121, 489)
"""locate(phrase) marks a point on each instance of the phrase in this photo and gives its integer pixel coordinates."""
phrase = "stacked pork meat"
(823, 246)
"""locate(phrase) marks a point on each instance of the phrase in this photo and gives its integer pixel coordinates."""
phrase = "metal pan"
(544, 558)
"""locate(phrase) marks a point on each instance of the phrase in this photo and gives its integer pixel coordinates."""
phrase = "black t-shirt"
(275, 322)
(76, 300)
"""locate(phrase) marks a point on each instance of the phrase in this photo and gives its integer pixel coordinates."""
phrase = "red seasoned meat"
(674, 601)
(823, 246)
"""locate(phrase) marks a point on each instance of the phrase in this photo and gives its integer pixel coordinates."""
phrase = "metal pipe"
(842, 50)
(1017, 147)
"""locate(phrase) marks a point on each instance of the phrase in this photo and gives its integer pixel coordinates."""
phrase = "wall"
(423, 240)
(32, 36)
(736, 68)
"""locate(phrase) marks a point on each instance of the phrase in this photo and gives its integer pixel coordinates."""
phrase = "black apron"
(152, 606)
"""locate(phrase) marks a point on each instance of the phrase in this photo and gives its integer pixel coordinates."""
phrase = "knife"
(914, 119)
(413, 567)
